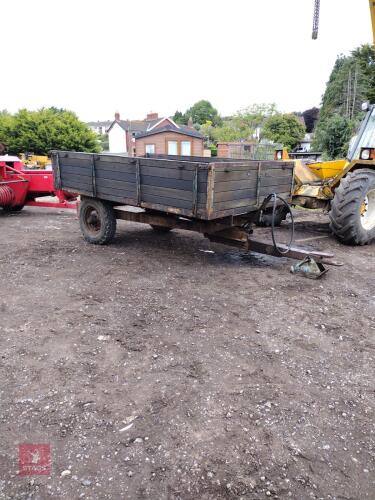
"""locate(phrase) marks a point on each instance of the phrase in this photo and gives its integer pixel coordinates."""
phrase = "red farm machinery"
(20, 186)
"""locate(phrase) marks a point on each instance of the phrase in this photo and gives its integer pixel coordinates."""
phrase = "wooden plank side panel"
(85, 162)
(168, 202)
(173, 194)
(84, 170)
(243, 187)
(178, 184)
(242, 202)
(169, 183)
(221, 211)
(175, 164)
(238, 175)
(252, 165)
(76, 180)
(116, 186)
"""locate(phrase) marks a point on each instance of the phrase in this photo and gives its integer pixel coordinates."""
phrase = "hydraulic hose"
(276, 197)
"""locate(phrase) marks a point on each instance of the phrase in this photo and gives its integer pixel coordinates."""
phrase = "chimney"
(190, 123)
(152, 116)
(117, 116)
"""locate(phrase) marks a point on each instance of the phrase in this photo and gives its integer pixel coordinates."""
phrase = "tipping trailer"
(220, 198)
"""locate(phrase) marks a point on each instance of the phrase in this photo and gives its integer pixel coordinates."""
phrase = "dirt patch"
(155, 369)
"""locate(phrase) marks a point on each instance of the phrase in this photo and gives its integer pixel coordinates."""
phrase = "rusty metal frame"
(228, 231)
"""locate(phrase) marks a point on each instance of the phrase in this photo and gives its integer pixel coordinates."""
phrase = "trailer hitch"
(309, 268)
(311, 264)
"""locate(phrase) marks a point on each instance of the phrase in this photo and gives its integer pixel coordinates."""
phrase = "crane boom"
(316, 19)
(372, 12)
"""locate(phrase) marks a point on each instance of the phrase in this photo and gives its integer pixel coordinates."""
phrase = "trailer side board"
(205, 190)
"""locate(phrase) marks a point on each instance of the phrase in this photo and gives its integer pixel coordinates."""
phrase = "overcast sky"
(96, 57)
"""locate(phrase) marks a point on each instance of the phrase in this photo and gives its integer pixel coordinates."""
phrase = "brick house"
(154, 135)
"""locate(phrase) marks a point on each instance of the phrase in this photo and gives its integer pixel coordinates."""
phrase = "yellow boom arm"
(316, 19)
(372, 11)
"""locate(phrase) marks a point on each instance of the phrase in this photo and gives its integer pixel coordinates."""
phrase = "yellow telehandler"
(345, 188)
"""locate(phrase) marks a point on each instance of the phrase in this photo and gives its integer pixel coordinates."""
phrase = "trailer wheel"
(97, 221)
(352, 212)
(266, 219)
(16, 208)
(160, 229)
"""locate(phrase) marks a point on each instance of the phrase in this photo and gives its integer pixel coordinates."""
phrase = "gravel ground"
(167, 367)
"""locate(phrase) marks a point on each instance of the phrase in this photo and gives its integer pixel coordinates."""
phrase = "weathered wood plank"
(238, 194)
(276, 181)
(251, 165)
(110, 193)
(176, 194)
(251, 182)
(115, 176)
(281, 188)
(76, 162)
(185, 185)
(244, 202)
(218, 214)
(235, 185)
(170, 202)
(85, 170)
(238, 175)
(183, 165)
(106, 166)
(174, 173)
(117, 185)
(79, 180)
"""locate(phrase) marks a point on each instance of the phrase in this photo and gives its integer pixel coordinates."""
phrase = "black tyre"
(160, 229)
(352, 212)
(97, 221)
(265, 220)
(16, 208)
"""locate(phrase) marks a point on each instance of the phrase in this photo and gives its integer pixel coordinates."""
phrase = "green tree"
(179, 118)
(244, 125)
(333, 136)
(285, 129)
(46, 129)
(346, 89)
(351, 82)
(254, 116)
(104, 142)
(201, 112)
(231, 131)
(365, 57)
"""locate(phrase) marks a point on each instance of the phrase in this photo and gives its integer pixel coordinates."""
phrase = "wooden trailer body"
(199, 188)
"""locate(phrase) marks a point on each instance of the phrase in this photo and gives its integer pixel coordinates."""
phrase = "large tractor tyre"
(16, 208)
(97, 221)
(160, 229)
(265, 220)
(352, 212)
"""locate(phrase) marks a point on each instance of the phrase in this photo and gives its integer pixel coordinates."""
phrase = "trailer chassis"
(233, 231)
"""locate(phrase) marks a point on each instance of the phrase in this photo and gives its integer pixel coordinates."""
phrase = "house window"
(172, 148)
(186, 148)
(150, 149)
